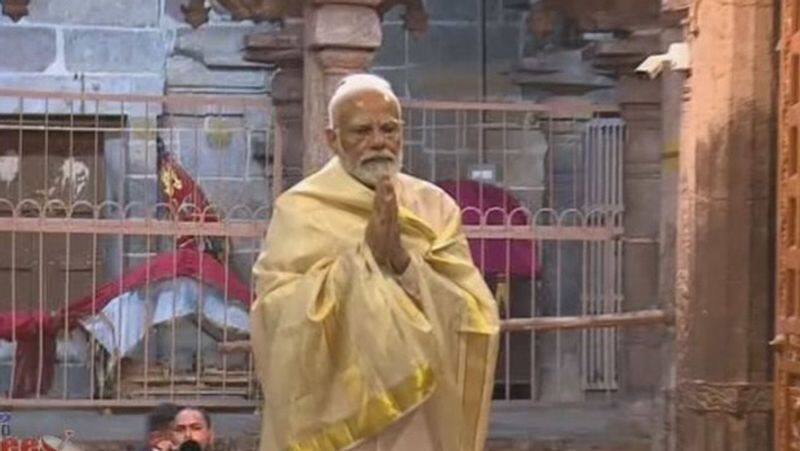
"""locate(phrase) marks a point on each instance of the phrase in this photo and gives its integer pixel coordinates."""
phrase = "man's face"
(368, 136)
(190, 425)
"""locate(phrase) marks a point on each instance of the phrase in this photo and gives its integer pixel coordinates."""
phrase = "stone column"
(284, 49)
(341, 37)
(287, 97)
(724, 256)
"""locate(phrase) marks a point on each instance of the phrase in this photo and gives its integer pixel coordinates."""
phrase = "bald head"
(355, 84)
(365, 129)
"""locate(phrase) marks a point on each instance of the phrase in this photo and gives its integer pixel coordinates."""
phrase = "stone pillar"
(672, 105)
(284, 49)
(641, 362)
(287, 97)
(341, 37)
(724, 257)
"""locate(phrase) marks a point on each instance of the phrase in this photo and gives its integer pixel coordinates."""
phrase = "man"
(192, 429)
(373, 330)
(159, 427)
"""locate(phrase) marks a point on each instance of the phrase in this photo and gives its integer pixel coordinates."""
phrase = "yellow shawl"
(341, 349)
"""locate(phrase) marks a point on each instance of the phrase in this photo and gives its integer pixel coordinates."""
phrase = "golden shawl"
(341, 348)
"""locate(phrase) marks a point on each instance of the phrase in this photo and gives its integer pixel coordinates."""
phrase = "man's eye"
(389, 128)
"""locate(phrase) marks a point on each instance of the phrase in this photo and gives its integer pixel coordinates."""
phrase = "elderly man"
(373, 330)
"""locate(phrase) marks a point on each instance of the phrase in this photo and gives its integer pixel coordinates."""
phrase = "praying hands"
(383, 231)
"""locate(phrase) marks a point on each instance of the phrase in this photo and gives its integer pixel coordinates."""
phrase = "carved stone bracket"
(15, 9)
(261, 10)
(734, 398)
(415, 16)
(195, 13)
(281, 47)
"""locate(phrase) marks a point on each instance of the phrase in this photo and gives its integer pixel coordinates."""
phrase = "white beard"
(370, 172)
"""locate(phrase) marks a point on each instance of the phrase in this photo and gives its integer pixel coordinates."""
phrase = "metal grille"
(541, 195)
(601, 290)
(128, 226)
(84, 206)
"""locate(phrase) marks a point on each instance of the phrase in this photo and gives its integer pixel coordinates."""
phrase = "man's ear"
(333, 140)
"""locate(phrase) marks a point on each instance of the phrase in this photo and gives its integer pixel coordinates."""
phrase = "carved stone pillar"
(321, 42)
(341, 37)
(287, 92)
(283, 48)
(724, 262)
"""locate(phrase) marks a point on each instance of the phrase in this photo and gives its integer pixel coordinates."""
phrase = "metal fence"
(128, 226)
(541, 193)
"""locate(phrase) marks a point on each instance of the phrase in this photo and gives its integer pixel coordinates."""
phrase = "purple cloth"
(495, 257)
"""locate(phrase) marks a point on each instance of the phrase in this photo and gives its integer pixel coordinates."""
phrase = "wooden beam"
(545, 323)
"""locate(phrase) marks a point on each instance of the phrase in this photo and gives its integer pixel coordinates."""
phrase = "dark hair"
(206, 416)
(162, 416)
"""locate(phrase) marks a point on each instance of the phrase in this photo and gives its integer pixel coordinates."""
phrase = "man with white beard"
(373, 329)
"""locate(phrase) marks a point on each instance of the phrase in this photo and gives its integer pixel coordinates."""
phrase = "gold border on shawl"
(378, 413)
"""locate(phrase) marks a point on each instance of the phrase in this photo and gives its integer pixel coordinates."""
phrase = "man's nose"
(377, 140)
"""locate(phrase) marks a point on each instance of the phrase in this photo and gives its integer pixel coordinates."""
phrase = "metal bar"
(541, 324)
(557, 110)
(198, 101)
(626, 319)
(216, 403)
(548, 233)
(134, 226)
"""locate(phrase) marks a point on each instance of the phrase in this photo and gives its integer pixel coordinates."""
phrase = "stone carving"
(415, 17)
(734, 398)
(261, 10)
(793, 404)
(15, 9)
(275, 47)
(196, 12)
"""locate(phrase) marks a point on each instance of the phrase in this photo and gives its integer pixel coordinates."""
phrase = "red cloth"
(187, 201)
(26, 367)
(495, 257)
(182, 263)
(26, 327)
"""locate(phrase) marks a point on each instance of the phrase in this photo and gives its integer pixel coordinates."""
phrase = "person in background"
(192, 429)
(160, 428)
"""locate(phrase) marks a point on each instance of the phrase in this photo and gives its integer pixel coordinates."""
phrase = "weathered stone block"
(502, 42)
(453, 11)
(93, 50)
(445, 63)
(183, 71)
(141, 157)
(213, 146)
(393, 49)
(129, 13)
(640, 266)
(152, 84)
(216, 43)
(34, 48)
(363, 28)
(642, 206)
(445, 44)
(239, 198)
(644, 145)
